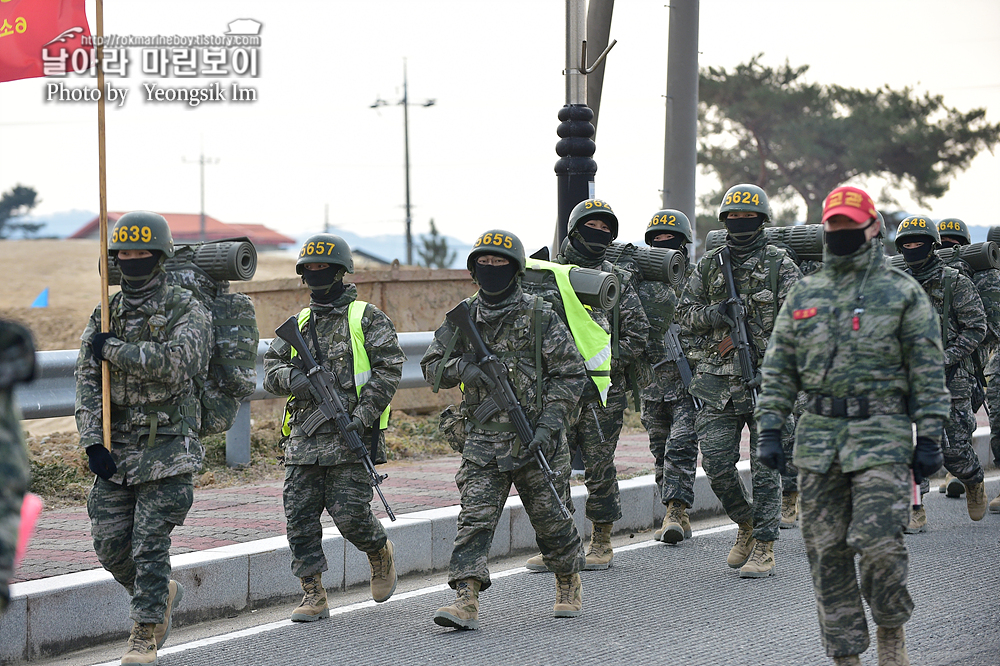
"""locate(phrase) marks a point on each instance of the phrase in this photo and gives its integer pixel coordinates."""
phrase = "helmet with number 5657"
(916, 226)
(325, 249)
(142, 230)
(500, 243)
(669, 221)
(745, 198)
(590, 209)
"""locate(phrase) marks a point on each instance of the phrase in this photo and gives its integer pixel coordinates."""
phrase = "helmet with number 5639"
(500, 243)
(325, 249)
(952, 226)
(590, 209)
(916, 226)
(142, 230)
(745, 198)
(669, 221)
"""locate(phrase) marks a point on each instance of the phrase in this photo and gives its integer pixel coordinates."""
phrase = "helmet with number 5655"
(325, 249)
(669, 221)
(590, 209)
(142, 230)
(916, 226)
(500, 243)
(745, 198)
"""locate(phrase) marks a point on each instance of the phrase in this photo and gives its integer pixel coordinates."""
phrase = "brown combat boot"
(789, 510)
(464, 613)
(918, 520)
(975, 500)
(761, 562)
(175, 592)
(569, 595)
(141, 646)
(892, 647)
(848, 660)
(383, 572)
(686, 524)
(536, 564)
(313, 606)
(951, 487)
(599, 555)
(741, 550)
(995, 504)
(673, 523)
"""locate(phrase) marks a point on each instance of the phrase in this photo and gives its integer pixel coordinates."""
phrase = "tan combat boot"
(892, 647)
(599, 555)
(995, 504)
(740, 552)
(313, 606)
(383, 572)
(761, 562)
(951, 487)
(789, 510)
(141, 646)
(464, 613)
(569, 595)
(975, 500)
(918, 520)
(175, 592)
(686, 524)
(848, 660)
(536, 564)
(673, 523)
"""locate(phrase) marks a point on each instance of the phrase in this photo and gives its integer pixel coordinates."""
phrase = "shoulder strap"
(444, 357)
(775, 255)
(948, 278)
(538, 350)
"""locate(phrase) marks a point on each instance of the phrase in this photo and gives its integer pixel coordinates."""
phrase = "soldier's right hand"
(473, 376)
(769, 450)
(542, 437)
(300, 386)
(718, 317)
(101, 462)
(927, 458)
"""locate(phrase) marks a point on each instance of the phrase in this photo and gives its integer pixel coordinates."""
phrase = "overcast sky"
(483, 155)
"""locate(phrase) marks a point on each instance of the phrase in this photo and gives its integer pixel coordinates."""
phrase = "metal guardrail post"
(238, 438)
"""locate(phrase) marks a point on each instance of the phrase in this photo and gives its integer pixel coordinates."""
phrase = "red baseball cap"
(849, 201)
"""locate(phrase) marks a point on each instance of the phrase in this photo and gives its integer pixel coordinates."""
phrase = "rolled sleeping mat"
(993, 234)
(232, 260)
(658, 264)
(594, 288)
(806, 240)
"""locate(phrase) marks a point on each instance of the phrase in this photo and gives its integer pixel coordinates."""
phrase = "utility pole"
(405, 103)
(202, 161)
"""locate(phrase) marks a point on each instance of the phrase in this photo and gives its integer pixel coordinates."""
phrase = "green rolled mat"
(806, 240)
(594, 288)
(658, 264)
(232, 259)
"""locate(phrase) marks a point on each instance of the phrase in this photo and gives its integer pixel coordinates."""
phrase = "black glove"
(719, 318)
(101, 461)
(472, 375)
(769, 450)
(300, 386)
(356, 425)
(97, 344)
(543, 435)
(927, 458)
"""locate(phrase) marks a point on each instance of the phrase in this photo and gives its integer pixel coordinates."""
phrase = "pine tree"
(435, 253)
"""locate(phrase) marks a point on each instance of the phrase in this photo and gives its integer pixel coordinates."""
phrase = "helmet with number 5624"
(500, 243)
(590, 209)
(669, 221)
(745, 198)
(952, 226)
(916, 226)
(142, 230)
(325, 249)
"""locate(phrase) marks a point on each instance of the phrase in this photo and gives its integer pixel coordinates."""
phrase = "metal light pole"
(405, 103)
(202, 161)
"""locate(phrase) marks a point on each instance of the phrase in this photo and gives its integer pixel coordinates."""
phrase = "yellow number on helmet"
(507, 242)
(756, 200)
(135, 234)
(147, 235)
(672, 220)
(487, 239)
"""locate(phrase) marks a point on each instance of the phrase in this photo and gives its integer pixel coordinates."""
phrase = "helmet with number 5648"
(745, 198)
(916, 226)
(500, 243)
(142, 230)
(325, 249)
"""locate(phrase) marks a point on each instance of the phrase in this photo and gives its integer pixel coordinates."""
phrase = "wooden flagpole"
(103, 261)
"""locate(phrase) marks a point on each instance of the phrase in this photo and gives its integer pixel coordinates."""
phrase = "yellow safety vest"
(592, 341)
(362, 366)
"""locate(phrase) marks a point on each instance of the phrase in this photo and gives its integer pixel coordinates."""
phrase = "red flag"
(31, 28)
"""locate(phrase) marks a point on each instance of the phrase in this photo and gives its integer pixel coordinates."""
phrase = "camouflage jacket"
(966, 325)
(988, 285)
(326, 446)
(717, 380)
(509, 330)
(165, 343)
(659, 300)
(893, 357)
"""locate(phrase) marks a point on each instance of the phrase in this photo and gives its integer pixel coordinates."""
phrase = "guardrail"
(53, 392)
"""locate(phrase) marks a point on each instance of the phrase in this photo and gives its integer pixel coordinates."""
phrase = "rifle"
(502, 397)
(675, 354)
(331, 407)
(738, 337)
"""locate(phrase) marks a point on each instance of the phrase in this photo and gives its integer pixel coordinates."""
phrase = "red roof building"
(186, 228)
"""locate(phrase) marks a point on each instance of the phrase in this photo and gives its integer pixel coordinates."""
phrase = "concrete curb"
(61, 613)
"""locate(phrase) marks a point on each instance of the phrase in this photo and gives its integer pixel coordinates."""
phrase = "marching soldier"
(860, 339)
(548, 375)
(159, 344)
(357, 345)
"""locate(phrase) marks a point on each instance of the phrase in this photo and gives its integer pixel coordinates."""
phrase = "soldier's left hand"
(97, 344)
(769, 450)
(356, 425)
(542, 437)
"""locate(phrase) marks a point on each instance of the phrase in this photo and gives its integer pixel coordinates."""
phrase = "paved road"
(657, 605)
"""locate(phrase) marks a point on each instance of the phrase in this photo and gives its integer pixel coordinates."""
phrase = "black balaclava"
(743, 231)
(846, 241)
(496, 283)
(671, 243)
(327, 284)
(138, 272)
(918, 257)
(590, 242)
(950, 241)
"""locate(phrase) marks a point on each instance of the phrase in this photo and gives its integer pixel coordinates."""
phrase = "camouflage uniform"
(966, 329)
(321, 471)
(667, 408)
(855, 477)
(16, 364)
(728, 402)
(165, 342)
(492, 458)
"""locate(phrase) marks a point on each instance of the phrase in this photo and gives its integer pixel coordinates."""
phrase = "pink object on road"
(31, 508)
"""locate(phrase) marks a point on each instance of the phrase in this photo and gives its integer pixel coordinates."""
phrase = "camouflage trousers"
(131, 527)
(674, 446)
(719, 434)
(993, 403)
(596, 434)
(959, 457)
(13, 485)
(790, 479)
(861, 513)
(346, 493)
(484, 492)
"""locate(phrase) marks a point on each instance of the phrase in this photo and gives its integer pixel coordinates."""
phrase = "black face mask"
(496, 282)
(590, 242)
(846, 241)
(138, 271)
(918, 256)
(671, 243)
(325, 285)
(743, 230)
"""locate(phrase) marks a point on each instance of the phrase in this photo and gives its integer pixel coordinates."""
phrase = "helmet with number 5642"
(916, 226)
(745, 198)
(142, 230)
(500, 243)
(325, 249)
(669, 221)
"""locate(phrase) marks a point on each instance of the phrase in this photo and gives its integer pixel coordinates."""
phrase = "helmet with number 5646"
(142, 230)
(669, 221)
(745, 198)
(500, 243)
(325, 249)
(916, 226)
(952, 226)
(590, 209)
